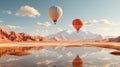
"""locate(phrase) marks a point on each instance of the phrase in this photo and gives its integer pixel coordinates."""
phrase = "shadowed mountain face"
(117, 39)
(67, 35)
(11, 36)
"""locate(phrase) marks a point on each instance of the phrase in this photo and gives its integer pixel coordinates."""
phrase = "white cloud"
(101, 21)
(28, 11)
(59, 29)
(91, 22)
(45, 24)
(12, 26)
(105, 21)
(7, 11)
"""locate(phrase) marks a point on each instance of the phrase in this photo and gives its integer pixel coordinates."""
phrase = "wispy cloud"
(13, 27)
(45, 24)
(101, 21)
(105, 21)
(1, 21)
(7, 12)
(59, 29)
(91, 22)
(28, 11)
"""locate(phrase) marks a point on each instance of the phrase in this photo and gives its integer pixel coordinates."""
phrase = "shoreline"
(110, 45)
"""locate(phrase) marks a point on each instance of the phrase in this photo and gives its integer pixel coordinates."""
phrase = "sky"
(99, 16)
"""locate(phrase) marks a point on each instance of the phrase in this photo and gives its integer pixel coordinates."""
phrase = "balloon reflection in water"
(77, 62)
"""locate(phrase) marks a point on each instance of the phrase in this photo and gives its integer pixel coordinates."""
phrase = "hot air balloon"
(77, 62)
(55, 12)
(77, 24)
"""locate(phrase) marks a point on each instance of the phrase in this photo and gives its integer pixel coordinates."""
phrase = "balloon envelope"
(55, 12)
(77, 24)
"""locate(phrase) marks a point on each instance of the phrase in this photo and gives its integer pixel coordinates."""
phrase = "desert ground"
(110, 45)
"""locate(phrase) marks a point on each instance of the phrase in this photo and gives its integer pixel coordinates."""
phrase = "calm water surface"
(38, 56)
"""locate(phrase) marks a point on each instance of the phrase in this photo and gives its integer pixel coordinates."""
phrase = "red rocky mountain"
(11, 36)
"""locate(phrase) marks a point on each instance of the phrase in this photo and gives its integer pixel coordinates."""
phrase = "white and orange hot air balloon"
(77, 24)
(55, 12)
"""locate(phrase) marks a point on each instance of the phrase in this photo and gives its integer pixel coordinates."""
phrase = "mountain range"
(67, 35)
(11, 36)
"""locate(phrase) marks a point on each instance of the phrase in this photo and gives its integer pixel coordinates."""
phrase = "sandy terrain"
(111, 45)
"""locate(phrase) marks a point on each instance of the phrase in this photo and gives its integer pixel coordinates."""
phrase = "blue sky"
(99, 16)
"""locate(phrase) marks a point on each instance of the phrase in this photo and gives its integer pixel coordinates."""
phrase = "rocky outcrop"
(11, 36)
(114, 39)
(117, 39)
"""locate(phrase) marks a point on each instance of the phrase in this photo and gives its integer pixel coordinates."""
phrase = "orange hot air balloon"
(77, 24)
(77, 62)
(55, 12)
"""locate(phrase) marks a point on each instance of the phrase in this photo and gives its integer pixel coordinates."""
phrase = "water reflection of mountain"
(17, 51)
(76, 50)
(57, 57)
(24, 53)
(116, 53)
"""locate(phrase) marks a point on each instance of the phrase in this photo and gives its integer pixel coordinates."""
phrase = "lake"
(59, 56)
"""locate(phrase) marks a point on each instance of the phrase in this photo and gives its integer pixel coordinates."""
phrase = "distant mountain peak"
(76, 36)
